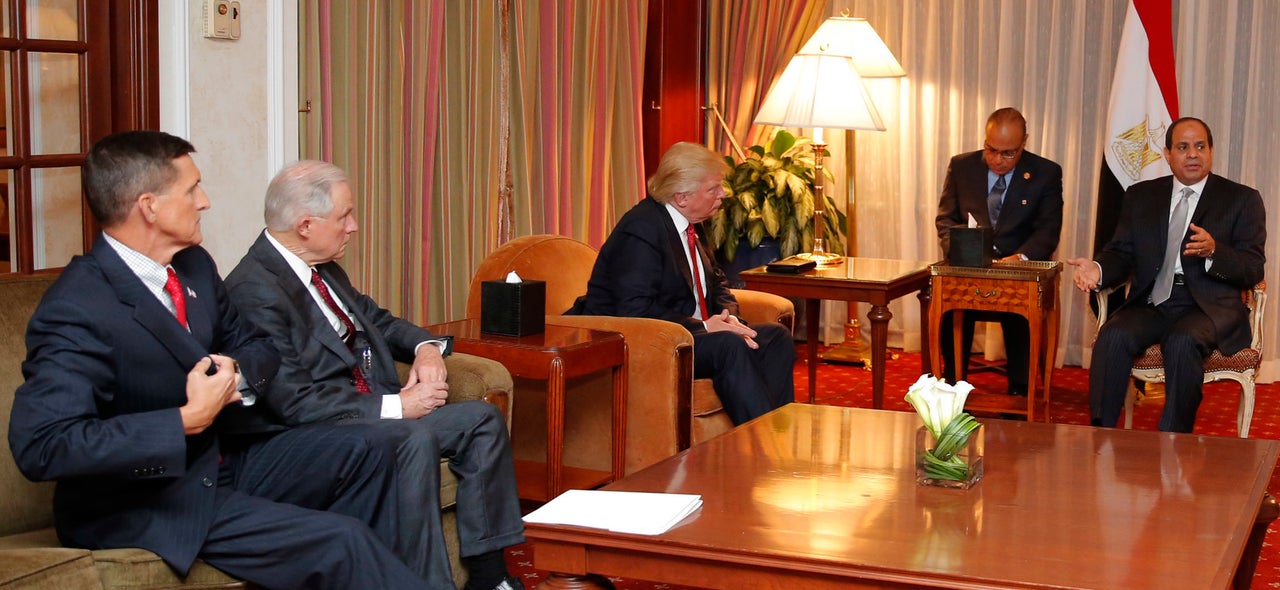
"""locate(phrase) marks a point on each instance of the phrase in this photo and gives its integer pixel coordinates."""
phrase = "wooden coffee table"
(824, 497)
(553, 355)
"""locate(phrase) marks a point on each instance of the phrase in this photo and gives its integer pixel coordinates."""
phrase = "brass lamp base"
(851, 351)
(822, 258)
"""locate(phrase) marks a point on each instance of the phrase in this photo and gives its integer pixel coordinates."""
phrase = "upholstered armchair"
(1240, 367)
(667, 409)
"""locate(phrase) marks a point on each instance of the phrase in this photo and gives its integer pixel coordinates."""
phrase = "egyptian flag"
(1144, 102)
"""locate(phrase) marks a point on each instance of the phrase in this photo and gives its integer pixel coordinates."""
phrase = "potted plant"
(769, 194)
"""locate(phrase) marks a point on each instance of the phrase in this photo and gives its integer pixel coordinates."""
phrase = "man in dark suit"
(135, 355)
(1019, 196)
(338, 351)
(655, 264)
(1188, 244)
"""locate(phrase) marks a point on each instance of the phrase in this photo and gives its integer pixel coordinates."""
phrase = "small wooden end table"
(1028, 288)
(558, 353)
(877, 281)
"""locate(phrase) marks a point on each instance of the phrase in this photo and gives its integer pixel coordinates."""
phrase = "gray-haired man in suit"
(338, 350)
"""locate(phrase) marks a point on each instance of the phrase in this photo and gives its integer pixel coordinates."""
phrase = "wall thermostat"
(221, 19)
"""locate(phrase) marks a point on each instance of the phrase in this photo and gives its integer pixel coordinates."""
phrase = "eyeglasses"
(1006, 154)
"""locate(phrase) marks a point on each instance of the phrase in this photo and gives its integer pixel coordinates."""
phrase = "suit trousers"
(472, 436)
(750, 383)
(295, 510)
(1017, 345)
(1186, 337)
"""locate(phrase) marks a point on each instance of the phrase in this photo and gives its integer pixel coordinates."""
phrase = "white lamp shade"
(854, 37)
(820, 91)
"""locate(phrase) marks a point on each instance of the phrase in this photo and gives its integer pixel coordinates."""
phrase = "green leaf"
(782, 141)
(798, 188)
(789, 241)
(755, 234)
(770, 215)
(806, 238)
(737, 217)
(780, 186)
(804, 212)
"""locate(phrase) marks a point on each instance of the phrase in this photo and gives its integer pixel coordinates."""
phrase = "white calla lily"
(937, 401)
(941, 407)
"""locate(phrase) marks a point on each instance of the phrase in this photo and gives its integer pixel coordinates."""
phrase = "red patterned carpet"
(843, 385)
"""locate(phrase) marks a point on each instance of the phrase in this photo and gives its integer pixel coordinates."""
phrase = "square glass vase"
(961, 471)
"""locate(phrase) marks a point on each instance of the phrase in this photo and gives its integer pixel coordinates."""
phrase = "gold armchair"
(1240, 367)
(667, 409)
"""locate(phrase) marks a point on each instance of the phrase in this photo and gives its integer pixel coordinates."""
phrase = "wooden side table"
(877, 281)
(558, 353)
(1028, 288)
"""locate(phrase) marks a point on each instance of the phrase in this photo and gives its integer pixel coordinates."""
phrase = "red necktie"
(697, 273)
(349, 337)
(174, 288)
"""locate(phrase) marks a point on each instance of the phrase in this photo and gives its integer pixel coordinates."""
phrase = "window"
(71, 71)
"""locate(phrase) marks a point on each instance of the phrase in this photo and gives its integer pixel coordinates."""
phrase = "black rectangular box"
(513, 309)
(792, 265)
(970, 246)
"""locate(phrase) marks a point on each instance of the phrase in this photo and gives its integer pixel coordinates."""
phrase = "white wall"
(236, 101)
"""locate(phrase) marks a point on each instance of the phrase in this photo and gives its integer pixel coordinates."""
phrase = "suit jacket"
(642, 272)
(1031, 218)
(106, 372)
(1232, 213)
(314, 381)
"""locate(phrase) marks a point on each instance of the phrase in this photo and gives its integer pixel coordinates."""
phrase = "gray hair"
(301, 189)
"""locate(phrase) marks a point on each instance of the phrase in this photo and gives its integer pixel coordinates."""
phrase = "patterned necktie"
(1172, 249)
(174, 288)
(348, 338)
(995, 198)
(692, 234)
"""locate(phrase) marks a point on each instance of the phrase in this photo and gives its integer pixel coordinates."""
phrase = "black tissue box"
(513, 309)
(970, 246)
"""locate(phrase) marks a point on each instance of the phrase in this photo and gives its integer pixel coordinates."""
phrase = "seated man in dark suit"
(1188, 244)
(338, 351)
(134, 358)
(1019, 196)
(656, 265)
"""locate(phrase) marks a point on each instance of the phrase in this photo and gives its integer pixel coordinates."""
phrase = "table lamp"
(819, 90)
(855, 39)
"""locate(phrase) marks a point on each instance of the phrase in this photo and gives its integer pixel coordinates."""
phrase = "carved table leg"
(879, 316)
(925, 296)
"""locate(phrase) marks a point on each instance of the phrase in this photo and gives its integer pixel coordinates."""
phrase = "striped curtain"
(464, 124)
(749, 44)
(578, 71)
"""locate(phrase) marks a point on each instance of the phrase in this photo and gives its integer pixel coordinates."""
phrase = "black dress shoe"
(1018, 391)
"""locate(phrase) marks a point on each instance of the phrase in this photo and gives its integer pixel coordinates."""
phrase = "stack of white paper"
(638, 513)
